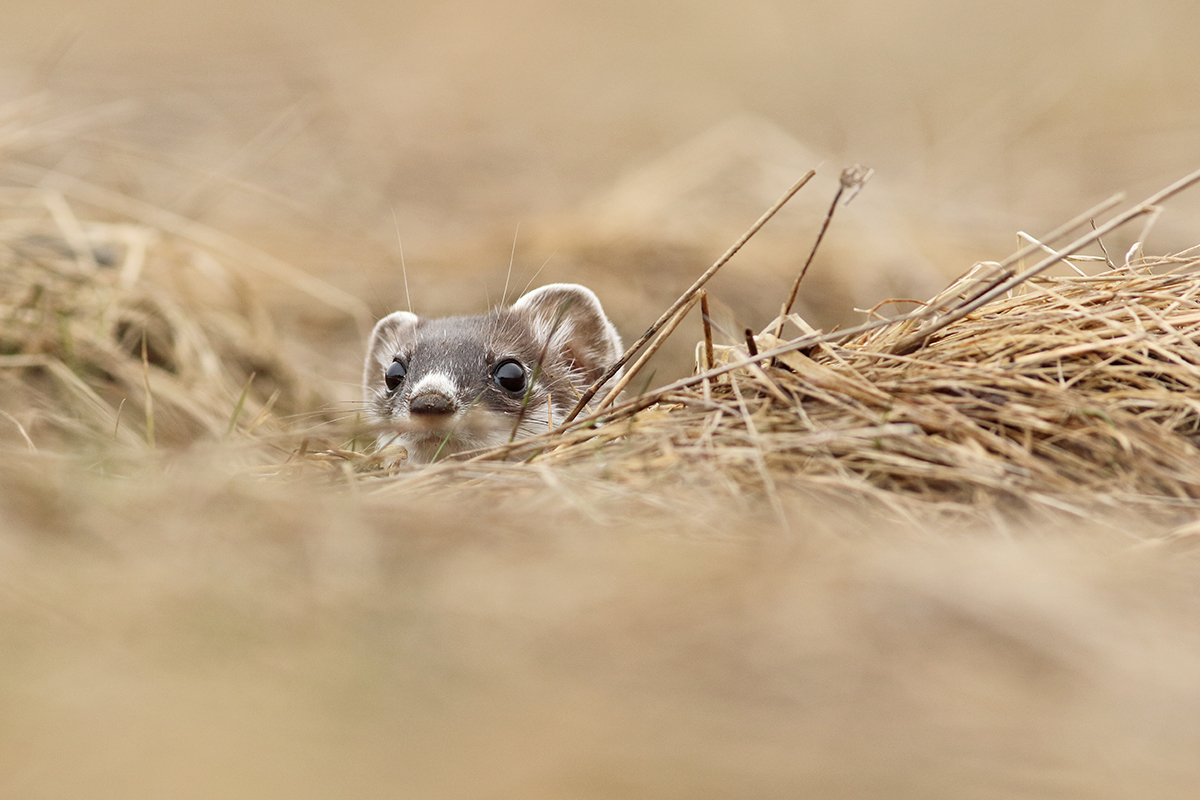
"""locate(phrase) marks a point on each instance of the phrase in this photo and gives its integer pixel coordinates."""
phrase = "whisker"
(511, 257)
(539, 270)
(403, 267)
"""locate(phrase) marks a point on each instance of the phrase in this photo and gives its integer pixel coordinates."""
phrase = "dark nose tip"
(431, 403)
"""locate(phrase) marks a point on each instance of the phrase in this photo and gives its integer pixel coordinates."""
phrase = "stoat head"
(441, 386)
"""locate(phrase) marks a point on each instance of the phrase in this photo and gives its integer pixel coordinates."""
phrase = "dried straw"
(1008, 390)
(1069, 393)
(94, 350)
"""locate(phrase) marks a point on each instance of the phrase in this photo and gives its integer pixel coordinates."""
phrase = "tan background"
(319, 130)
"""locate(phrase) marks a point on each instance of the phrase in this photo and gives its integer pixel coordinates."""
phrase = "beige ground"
(173, 628)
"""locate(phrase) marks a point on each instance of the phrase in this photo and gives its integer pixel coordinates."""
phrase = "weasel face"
(443, 386)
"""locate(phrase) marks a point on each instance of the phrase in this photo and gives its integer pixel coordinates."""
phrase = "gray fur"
(558, 333)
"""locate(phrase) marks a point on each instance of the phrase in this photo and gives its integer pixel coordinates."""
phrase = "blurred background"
(623, 144)
(174, 628)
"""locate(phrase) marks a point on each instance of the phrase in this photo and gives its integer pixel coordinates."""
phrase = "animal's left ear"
(570, 317)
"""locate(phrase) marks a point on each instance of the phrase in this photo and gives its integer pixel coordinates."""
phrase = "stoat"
(442, 386)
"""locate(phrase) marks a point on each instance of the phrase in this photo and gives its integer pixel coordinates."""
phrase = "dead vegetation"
(1012, 390)
(754, 579)
(1079, 389)
(121, 336)
(700, 598)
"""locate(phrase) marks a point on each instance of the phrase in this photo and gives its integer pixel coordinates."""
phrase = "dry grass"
(1010, 391)
(1072, 393)
(1078, 390)
(764, 580)
(120, 336)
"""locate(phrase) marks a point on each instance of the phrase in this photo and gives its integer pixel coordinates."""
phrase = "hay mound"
(1070, 392)
(1081, 386)
(1010, 390)
(1066, 391)
(115, 333)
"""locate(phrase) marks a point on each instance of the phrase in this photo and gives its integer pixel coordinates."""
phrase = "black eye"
(395, 373)
(509, 376)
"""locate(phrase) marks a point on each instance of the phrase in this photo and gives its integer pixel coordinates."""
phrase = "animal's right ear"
(387, 339)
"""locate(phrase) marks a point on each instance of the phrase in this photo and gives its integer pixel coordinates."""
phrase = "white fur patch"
(436, 382)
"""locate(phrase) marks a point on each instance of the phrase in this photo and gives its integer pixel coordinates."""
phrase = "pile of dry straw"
(1010, 388)
(117, 337)
(1076, 388)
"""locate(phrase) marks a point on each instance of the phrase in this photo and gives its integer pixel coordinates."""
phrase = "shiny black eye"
(395, 373)
(509, 376)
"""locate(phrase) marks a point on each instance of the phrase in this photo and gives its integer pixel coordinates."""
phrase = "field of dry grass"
(947, 549)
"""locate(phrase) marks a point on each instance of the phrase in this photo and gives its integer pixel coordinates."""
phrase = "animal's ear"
(570, 317)
(387, 339)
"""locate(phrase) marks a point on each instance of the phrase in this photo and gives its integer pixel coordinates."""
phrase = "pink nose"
(431, 403)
